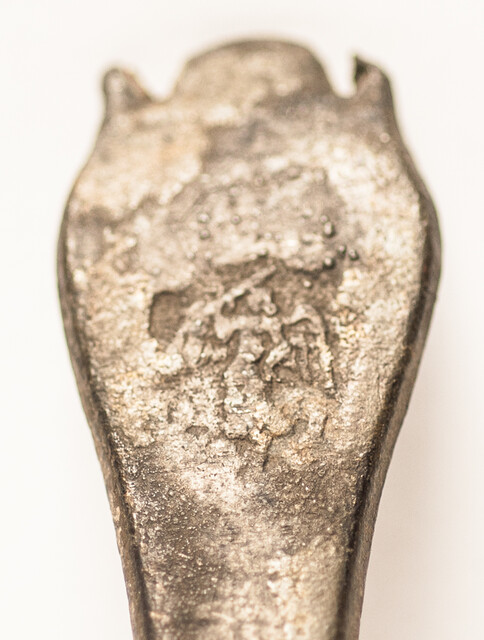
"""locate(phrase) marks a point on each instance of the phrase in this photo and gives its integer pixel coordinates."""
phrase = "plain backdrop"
(60, 574)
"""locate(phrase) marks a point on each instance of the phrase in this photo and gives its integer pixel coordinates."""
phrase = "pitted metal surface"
(247, 271)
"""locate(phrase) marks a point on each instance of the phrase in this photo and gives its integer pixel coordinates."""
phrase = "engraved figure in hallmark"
(263, 357)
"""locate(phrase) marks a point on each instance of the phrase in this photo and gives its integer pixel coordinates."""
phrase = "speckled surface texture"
(247, 271)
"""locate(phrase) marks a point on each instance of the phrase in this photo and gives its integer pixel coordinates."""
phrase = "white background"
(60, 575)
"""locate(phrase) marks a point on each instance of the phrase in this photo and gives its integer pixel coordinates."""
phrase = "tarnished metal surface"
(247, 271)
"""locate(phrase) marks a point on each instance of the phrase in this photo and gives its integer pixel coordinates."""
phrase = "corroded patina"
(247, 271)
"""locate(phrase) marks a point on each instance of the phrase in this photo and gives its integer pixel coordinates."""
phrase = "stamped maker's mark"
(262, 354)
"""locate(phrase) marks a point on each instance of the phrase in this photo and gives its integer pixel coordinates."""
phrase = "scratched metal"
(247, 271)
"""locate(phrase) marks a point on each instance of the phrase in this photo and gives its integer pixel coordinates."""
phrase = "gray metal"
(247, 271)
